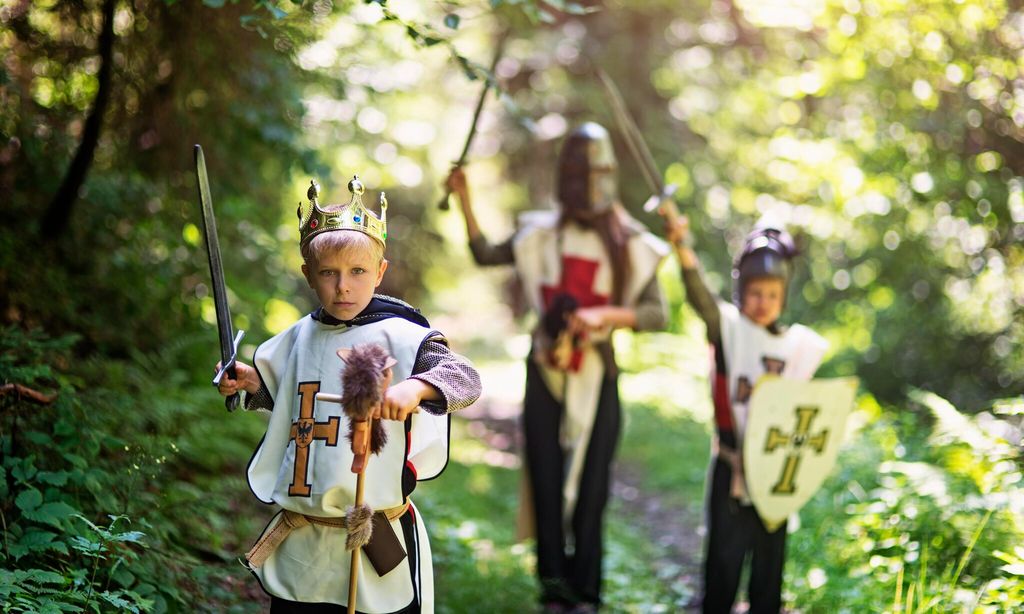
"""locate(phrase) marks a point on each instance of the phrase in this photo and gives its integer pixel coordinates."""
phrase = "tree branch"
(24, 391)
(57, 215)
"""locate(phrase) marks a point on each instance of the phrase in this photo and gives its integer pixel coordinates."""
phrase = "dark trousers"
(568, 578)
(733, 531)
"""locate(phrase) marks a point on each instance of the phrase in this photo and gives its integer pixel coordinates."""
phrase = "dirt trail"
(676, 532)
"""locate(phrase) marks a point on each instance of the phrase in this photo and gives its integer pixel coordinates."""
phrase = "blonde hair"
(340, 241)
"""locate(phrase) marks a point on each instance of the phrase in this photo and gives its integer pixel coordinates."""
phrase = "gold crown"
(353, 216)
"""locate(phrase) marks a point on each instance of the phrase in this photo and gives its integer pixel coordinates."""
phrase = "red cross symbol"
(578, 275)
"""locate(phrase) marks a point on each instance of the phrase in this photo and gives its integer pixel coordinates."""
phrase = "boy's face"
(762, 300)
(344, 280)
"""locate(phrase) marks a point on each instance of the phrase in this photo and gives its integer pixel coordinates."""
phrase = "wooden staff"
(360, 446)
(364, 378)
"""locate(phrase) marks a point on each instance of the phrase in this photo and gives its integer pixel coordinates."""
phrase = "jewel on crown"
(352, 216)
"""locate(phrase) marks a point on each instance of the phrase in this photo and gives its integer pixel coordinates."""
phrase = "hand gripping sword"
(228, 346)
(661, 193)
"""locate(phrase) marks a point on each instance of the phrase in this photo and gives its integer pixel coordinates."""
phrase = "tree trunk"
(58, 213)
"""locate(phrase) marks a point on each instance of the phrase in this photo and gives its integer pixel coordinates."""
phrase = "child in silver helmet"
(748, 341)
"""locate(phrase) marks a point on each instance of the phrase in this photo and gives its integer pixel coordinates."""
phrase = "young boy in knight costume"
(586, 269)
(748, 341)
(303, 462)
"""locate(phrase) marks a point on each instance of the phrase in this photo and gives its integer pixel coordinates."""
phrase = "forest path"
(674, 532)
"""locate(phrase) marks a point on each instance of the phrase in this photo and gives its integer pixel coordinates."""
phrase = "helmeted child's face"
(763, 298)
(344, 280)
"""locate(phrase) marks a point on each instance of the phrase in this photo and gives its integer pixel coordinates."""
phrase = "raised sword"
(228, 339)
(489, 83)
(661, 197)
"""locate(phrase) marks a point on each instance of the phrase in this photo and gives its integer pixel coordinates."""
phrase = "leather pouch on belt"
(385, 551)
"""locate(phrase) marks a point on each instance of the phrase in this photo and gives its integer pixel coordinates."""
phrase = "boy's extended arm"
(484, 252)
(650, 313)
(677, 229)
(698, 295)
(247, 380)
(454, 378)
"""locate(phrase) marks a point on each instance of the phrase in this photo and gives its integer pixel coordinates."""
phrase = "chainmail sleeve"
(451, 374)
(704, 303)
(260, 400)
(490, 254)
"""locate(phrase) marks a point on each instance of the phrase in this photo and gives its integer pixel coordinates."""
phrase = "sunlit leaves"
(873, 120)
(279, 315)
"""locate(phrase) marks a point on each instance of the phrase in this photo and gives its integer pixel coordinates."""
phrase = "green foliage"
(93, 485)
(473, 540)
(883, 133)
(470, 513)
(61, 565)
(923, 519)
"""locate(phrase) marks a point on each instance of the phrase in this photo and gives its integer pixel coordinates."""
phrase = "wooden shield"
(794, 431)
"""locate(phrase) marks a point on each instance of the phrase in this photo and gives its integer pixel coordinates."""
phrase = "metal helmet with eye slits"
(587, 184)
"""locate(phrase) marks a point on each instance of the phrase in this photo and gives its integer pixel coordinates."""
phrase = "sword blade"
(225, 330)
(660, 193)
(499, 50)
(630, 132)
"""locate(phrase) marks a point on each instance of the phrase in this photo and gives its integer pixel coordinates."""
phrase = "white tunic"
(312, 565)
(751, 351)
(542, 252)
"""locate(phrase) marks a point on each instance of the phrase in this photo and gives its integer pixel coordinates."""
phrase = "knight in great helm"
(586, 267)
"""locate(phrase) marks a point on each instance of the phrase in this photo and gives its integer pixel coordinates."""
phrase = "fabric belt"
(289, 521)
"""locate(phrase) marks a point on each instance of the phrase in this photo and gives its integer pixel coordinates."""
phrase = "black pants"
(564, 578)
(733, 531)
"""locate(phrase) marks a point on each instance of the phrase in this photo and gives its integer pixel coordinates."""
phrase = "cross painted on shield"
(795, 443)
(578, 275)
(304, 432)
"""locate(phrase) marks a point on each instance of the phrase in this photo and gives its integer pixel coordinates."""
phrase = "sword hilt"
(228, 367)
(444, 203)
(656, 200)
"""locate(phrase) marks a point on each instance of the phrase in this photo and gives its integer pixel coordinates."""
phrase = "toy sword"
(488, 83)
(661, 193)
(228, 340)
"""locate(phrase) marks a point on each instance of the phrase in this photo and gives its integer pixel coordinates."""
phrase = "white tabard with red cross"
(572, 260)
(303, 464)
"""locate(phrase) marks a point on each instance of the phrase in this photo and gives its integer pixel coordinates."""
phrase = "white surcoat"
(312, 565)
(751, 351)
(542, 251)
